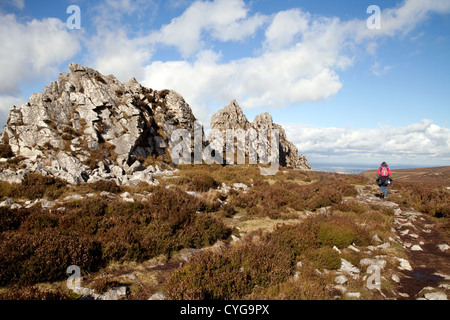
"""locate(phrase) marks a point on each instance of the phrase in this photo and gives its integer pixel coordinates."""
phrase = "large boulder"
(85, 120)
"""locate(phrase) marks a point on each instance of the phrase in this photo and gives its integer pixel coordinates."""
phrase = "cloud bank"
(31, 50)
(416, 142)
(299, 59)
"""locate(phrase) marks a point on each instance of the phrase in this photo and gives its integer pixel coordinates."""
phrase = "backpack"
(384, 171)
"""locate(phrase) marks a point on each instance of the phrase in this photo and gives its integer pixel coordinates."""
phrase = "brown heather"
(230, 275)
(37, 245)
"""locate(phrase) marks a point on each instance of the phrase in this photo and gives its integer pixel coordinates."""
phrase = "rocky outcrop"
(88, 126)
(231, 117)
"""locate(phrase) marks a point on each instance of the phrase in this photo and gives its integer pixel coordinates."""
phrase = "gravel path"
(426, 271)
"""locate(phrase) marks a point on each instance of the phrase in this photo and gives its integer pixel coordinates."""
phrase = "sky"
(348, 84)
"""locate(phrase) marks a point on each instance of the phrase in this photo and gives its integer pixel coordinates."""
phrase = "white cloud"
(115, 53)
(271, 80)
(406, 17)
(29, 51)
(379, 70)
(33, 49)
(287, 71)
(118, 47)
(202, 83)
(299, 59)
(285, 26)
(402, 19)
(6, 102)
(223, 20)
(125, 6)
(19, 4)
(421, 141)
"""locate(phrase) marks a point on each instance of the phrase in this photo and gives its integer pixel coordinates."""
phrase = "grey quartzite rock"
(88, 125)
(232, 117)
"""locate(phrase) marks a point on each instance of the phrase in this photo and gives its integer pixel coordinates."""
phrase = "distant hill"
(435, 175)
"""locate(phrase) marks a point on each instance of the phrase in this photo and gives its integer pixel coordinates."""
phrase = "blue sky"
(343, 92)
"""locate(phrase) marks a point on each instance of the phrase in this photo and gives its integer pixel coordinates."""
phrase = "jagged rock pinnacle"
(232, 117)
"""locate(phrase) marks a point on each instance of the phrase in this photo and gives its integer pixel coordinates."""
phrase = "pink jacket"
(388, 170)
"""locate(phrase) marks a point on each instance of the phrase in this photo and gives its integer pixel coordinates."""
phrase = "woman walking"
(384, 179)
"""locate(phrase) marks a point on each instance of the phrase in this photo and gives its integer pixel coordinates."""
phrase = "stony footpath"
(425, 273)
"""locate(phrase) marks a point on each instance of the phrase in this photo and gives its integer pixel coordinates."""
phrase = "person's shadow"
(377, 194)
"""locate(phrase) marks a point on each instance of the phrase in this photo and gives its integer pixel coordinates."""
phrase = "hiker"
(384, 179)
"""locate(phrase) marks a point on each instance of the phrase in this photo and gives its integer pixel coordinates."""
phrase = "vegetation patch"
(291, 248)
(34, 186)
(197, 181)
(34, 293)
(272, 200)
(341, 232)
(425, 198)
(230, 275)
(38, 245)
(313, 242)
(6, 151)
(310, 285)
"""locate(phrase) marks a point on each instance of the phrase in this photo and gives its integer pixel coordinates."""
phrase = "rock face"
(231, 117)
(86, 126)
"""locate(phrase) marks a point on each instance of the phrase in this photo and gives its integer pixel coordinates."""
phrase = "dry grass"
(265, 224)
(309, 286)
